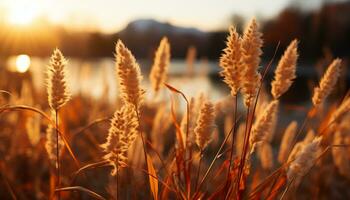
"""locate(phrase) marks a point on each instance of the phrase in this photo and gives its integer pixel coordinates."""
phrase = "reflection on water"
(97, 77)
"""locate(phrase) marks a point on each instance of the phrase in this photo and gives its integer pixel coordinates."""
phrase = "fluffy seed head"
(56, 85)
(230, 61)
(304, 160)
(327, 82)
(121, 135)
(251, 51)
(266, 156)
(340, 154)
(160, 66)
(287, 140)
(262, 126)
(205, 125)
(341, 111)
(309, 137)
(129, 75)
(285, 71)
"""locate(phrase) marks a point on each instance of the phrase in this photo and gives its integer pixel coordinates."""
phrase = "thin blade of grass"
(153, 182)
(81, 189)
(29, 108)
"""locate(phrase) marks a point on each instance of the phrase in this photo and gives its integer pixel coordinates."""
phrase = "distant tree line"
(318, 30)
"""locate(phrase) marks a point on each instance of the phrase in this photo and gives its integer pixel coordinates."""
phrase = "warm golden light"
(22, 63)
(22, 15)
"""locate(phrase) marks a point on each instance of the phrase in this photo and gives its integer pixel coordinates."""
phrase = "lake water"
(93, 77)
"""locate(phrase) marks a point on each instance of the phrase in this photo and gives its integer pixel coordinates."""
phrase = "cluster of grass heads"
(150, 149)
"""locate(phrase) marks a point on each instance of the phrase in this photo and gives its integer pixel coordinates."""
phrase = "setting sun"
(22, 15)
(22, 63)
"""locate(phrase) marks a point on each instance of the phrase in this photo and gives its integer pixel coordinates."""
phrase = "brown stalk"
(146, 172)
(187, 168)
(81, 189)
(199, 169)
(233, 136)
(141, 132)
(88, 166)
(6, 92)
(247, 134)
(93, 123)
(29, 108)
(58, 183)
(159, 157)
(212, 162)
(295, 140)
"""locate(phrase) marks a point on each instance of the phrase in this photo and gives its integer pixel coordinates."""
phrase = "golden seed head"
(205, 125)
(285, 71)
(160, 66)
(287, 140)
(251, 51)
(121, 135)
(129, 75)
(57, 90)
(230, 61)
(263, 124)
(327, 82)
(304, 160)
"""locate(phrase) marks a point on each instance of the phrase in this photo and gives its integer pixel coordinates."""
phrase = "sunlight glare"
(22, 15)
(22, 63)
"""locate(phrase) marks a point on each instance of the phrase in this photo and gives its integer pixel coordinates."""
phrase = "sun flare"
(22, 63)
(22, 15)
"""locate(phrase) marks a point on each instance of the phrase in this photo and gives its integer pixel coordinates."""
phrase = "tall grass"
(151, 150)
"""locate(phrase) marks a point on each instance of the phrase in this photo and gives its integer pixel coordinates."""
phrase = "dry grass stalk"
(327, 82)
(341, 111)
(263, 124)
(251, 51)
(285, 71)
(240, 139)
(228, 122)
(51, 144)
(191, 59)
(205, 125)
(304, 160)
(230, 61)
(57, 91)
(341, 154)
(287, 140)
(160, 66)
(121, 135)
(190, 140)
(129, 75)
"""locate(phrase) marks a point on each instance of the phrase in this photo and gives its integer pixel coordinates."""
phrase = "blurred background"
(87, 30)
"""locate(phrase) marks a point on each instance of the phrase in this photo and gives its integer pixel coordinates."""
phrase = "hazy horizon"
(111, 16)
